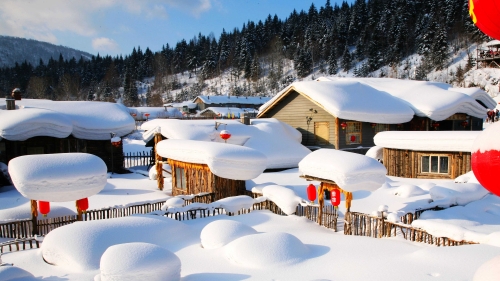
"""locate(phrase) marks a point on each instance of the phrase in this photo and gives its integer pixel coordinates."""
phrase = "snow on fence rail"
(19, 244)
(133, 159)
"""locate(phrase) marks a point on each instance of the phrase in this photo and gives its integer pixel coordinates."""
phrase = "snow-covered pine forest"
(375, 38)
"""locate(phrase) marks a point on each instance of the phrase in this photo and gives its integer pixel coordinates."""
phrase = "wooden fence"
(19, 244)
(377, 227)
(133, 159)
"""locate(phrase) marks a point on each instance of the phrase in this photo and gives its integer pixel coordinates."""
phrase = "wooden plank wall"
(406, 163)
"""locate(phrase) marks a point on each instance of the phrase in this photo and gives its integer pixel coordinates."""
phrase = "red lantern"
(484, 14)
(225, 135)
(464, 123)
(335, 197)
(116, 141)
(353, 138)
(133, 114)
(343, 125)
(82, 204)
(43, 207)
(485, 160)
(435, 125)
(373, 125)
(311, 193)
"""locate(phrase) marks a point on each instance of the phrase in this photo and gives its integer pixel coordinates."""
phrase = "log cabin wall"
(293, 110)
(198, 178)
(408, 163)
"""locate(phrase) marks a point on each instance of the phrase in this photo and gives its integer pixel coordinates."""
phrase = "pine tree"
(346, 60)
(332, 64)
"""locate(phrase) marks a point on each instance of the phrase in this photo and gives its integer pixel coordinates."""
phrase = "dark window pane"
(443, 165)
(425, 164)
(434, 164)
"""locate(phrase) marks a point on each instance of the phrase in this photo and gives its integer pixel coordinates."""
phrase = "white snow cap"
(350, 171)
(58, 177)
(375, 152)
(8, 272)
(221, 232)
(487, 139)
(427, 140)
(349, 99)
(284, 197)
(139, 261)
(278, 141)
(434, 100)
(83, 119)
(232, 99)
(224, 160)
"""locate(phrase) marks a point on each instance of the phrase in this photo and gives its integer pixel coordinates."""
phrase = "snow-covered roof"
(155, 112)
(224, 160)
(232, 99)
(385, 100)
(350, 171)
(350, 100)
(434, 100)
(83, 119)
(493, 43)
(224, 111)
(278, 141)
(427, 140)
(189, 104)
(58, 177)
(478, 94)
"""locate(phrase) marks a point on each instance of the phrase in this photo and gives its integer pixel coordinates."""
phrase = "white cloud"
(105, 44)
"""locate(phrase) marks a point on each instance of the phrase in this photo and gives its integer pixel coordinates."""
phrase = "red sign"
(335, 197)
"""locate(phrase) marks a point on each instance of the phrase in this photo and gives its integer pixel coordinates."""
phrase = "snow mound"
(468, 177)
(235, 203)
(266, 250)
(153, 175)
(139, 261)
(284, 197)
(174, 202)
(489, 271)
(409, 190)
(224, 160)
(58, 177)
(448, 194)
(350, 171)
(19, 125)
(90, 239)
(8, 273)
(221, 232)
(376, 152)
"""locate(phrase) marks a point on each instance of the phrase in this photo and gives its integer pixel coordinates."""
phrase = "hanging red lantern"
(311, 193)
(335, 197)
(147, 115)
(435, 125)
(464, 123)
(116, 141)
(353, 138)
(133, 114)
(484, 14)
(225, 135)
(485, 159)
(343, 125)
(373, 125)
(43, 207)
(82, 204)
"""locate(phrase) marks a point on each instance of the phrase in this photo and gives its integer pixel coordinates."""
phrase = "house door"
(322, 133)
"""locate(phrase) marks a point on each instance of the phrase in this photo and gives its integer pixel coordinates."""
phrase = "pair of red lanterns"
(334, 195)
(82, 205)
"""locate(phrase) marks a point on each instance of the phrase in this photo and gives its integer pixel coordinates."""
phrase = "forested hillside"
(358, 39)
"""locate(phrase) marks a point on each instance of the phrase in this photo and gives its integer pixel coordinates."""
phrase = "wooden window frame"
(354, 128)
(180, 173)
(382, 128)
(429, 171)
(316, 125)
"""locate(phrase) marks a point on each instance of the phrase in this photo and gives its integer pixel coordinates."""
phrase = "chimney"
(245, 119)
(16, 94)
(10, 102)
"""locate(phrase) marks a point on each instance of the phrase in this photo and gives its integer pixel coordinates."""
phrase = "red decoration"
(133, 114)
(116, 143)
(353, 138)
(146, 114)
(484, 14)
(335, 197)
(486, 163)
(373, 125)
(82, 204)
(464, 123)
(435, 125)
(225, 135)
(311, 192)
(43, 207)
(343, 125)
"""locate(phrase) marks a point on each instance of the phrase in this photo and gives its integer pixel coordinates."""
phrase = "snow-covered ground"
(262, 245)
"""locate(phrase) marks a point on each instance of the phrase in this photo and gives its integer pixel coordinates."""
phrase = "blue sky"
(117, 26)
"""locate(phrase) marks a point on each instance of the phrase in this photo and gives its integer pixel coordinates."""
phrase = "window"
(353, 133)
(322, 133)
(381, 127)
(180, 178)
(435, 164)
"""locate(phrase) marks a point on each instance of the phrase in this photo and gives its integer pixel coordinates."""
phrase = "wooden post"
(159, 166)
(34, 215)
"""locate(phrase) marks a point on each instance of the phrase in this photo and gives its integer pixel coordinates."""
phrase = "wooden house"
(347, 113)
(433, 154)
(211, 167)
(489, 56)
(204, 102)
(45, 127)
